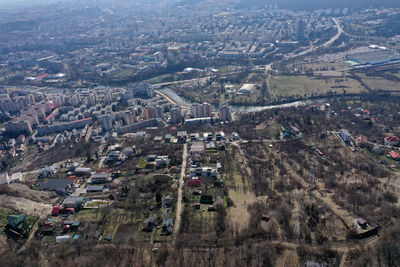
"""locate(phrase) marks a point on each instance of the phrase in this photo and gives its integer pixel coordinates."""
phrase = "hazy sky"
(15, 3)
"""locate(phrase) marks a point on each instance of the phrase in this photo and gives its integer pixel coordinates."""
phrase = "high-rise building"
(107, 122)
(300, 30)
(176, 115)
(200, 110)
(225, 112)
(18, 127)
(207, 109)
(91, 99)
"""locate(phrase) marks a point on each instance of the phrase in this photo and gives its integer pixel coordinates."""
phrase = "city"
(215, 133)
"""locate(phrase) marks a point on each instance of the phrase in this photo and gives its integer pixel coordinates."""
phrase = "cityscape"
(198, 132)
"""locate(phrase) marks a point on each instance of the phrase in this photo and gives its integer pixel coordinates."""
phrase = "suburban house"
(16, 177)
(361, 141)
(345, 135)
(74, 202)
(115, 155)
(391, 140)
(194, 137)
(203, 171)
(149, 224)
(60, 186)
(167, 202)
(100, 178)
(220, 136)
(17, 225)
(193, 183)
(56, 210)
(182, 136)
(46, 172)
(235, 136)
(4, 178)
(208, 136)
(168, 226)
(394, 155)
(83, 171)
(206, 199)
(197, 148)
(211, 147)
(94, 188)
(151, 158)
(162, 161)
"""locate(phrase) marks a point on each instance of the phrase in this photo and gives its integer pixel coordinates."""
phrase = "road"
(339, 33)
(179, 204)
(326, 44)
(171, 100)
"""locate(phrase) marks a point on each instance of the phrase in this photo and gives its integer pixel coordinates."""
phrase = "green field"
(379, 83)
(304, 86)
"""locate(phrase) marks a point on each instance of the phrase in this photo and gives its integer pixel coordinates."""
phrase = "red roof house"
(394, 155)
(73, 178)
(391, 140)
(193, 183)
(55, 211)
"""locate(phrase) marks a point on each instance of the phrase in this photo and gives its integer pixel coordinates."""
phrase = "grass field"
(379, 83)
(300, 86)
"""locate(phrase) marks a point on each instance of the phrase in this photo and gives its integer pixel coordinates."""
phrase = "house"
(193, 183)
(83, 171)
(221, 146)
(63, 238)
(394, 155)
(100, 178)
(21, 139)
(362, 223)
(220, 136)
(48, 227)
(235, 136)
(197, 148)
(56, 210)
(73, 179)
(60, 186)
(377, 150)
(46, 172)
(73, 225)
(361, 141)
(295, 130)
(149, 224)
(94, 188)
(114, 156)
(17, 225)
(141, 135)
(130, 151)
(345, 135)
(168, 138)
(151, 158)
(168, 226)
(182, 136)
(74, 202)
(4, 178)
(194, 137)
(208, 136)
(162, 161)
(391, 140)
(167, 202)
(211, 147)
(206, 199)
(16, 177)
(203, 171)
(158, 139)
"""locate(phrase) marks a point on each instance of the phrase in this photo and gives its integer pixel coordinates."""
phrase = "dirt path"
(179, 207)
